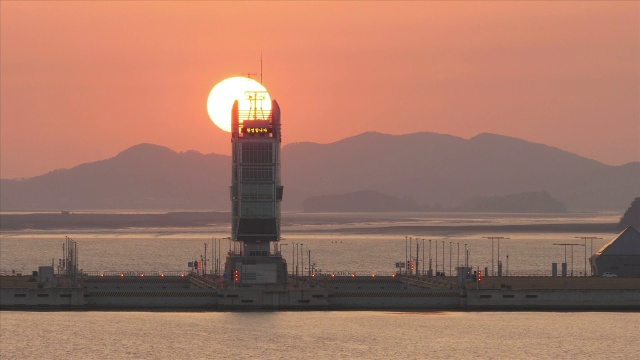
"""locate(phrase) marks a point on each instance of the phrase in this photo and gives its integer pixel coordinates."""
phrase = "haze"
(82, 81)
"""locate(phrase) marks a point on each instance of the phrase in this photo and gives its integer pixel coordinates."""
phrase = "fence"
(134, 273)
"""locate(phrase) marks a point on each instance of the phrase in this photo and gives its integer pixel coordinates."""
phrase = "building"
(620, 256)
(256, 194)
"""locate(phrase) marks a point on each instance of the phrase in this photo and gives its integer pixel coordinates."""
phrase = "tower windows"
(257, 153)
(257, 174)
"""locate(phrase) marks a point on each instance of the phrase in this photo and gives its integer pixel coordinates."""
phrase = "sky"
(83, 81)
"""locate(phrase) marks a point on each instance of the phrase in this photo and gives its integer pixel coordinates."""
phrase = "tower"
(256, 194)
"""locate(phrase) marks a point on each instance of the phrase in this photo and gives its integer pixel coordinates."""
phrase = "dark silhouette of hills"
(631, 217)
(143, 177)
(442, 170)
(359, 201)
(528, 202)
(374, 201)
(430, 169)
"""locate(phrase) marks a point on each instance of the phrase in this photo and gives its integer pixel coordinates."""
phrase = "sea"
(364, 244)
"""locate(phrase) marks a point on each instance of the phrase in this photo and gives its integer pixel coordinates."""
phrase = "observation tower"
(256, 194)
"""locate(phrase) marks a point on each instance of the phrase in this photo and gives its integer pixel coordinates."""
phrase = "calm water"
(333, 239)
(312, 335)
(318, 335)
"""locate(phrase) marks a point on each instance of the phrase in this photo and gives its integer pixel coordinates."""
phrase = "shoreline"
(357, 223)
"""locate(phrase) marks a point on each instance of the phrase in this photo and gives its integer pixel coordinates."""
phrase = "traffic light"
(236, 276)
(195, 264)
(413, 265)
(479, 276)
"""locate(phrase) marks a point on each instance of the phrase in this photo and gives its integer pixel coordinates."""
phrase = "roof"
(627, 243)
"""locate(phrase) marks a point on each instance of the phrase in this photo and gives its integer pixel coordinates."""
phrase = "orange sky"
(82, 81)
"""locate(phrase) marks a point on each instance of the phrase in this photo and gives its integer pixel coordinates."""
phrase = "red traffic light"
(479, 276)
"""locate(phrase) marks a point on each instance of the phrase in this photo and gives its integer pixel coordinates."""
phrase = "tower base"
(254, 270)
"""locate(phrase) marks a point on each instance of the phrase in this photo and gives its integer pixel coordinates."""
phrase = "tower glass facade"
(256, 191)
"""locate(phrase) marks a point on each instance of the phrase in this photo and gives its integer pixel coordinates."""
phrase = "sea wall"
(59, 298)
(571, 299)
(340, 293)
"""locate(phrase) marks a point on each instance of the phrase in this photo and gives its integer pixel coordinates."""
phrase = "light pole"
(450, 244)
(430, 260)
(458, 262)
(302, 259)
(565, 253)
(204, 270)
(406, 250)
(436, 257)
(423, 257)
(281, 245)
(494, 238)
(410, 253)
(215, 256)
(466, 258)
(293, 257)
(585, 238)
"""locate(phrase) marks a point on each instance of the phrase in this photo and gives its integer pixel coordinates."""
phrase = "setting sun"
(227, 91)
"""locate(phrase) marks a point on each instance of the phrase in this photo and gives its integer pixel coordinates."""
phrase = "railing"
(255, 114)
(348, 273)
(138, 273)
(14, 272)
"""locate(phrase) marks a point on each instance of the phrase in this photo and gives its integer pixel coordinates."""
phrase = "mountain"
(359, 201)
(528, 202)
(435, 169)
(631, 217)
(431, 169)
(143, 177)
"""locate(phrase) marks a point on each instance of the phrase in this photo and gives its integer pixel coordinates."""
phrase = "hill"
(359, 201)
(431, 169)
(143, 177)
(440, 169)
(631, 217)
(529, 202)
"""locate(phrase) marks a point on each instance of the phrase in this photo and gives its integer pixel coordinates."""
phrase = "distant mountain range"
(359, 201)
(430, 169)
(374, 201)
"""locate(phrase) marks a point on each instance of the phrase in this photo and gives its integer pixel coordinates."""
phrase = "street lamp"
(585, 238)
(430, 260)
(450, 244)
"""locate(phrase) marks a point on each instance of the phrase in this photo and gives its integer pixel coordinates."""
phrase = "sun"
(226, 92)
